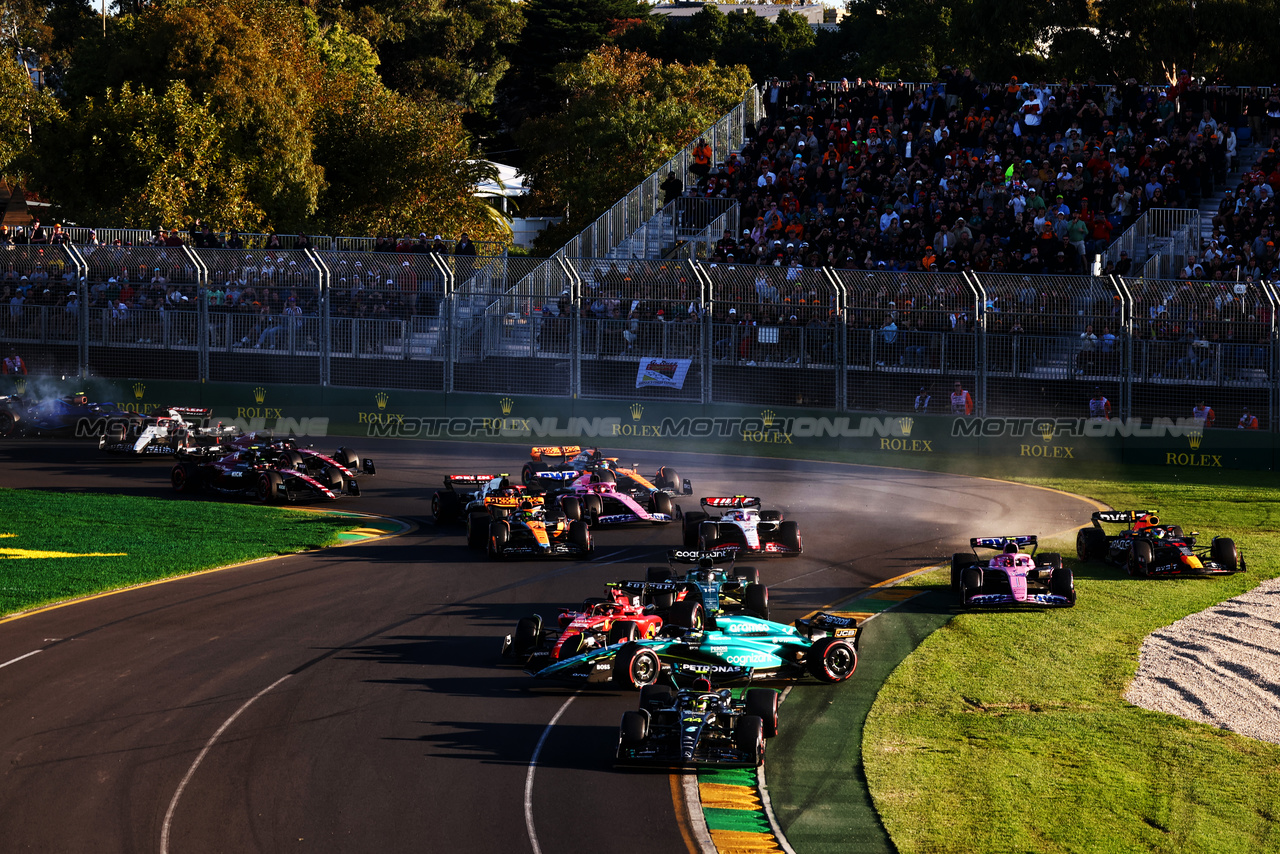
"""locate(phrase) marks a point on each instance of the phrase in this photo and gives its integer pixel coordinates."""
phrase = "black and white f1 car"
(737, 522)
(1147, 547)
(698, 726)
(167, 430)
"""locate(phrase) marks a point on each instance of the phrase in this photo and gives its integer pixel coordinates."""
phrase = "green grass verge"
(135, 540)
(1009, 731)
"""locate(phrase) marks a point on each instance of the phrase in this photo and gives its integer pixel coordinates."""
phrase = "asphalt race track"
(349, 700)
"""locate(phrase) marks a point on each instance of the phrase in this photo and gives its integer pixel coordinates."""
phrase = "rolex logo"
(259, 394)
(381, 399)
(906, 424)
(767, 416)
(636, 411)
(1194, 437)
(506, 403)
(20, 385)
(1046, 432)
(139, 389)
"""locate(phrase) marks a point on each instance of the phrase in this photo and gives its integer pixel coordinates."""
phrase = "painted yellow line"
(897, 594)
(408, 527)
(734, 841)
(728, 797)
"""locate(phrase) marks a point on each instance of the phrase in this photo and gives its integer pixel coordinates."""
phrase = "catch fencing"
(670, 329)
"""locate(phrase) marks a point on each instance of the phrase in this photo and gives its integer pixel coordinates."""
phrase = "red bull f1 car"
(736, 522)
(698, 726)
(1012, 577)
(1148, 548)
(597, 624)
(563, 461)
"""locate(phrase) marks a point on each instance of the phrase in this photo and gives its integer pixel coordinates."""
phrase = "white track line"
(19, 658)
(528, 780)
(173, 804)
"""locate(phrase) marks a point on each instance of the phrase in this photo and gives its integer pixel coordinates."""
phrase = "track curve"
(368, 713)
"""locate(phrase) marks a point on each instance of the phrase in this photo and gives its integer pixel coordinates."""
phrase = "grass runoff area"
(1008, 731)
(57, 546)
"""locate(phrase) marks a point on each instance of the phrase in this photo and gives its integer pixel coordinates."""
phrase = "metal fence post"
(575, 300)
(979, 343)
(706, 334)
(325, 277)
(842, 358)
(1126, 348)
(1273, 360)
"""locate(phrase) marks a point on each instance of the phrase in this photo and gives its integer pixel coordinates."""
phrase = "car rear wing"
(1120, 517)
(692, 556)
(731, 502)
(511, 500)
(456, 481)
(1031, 540)
(563, 451)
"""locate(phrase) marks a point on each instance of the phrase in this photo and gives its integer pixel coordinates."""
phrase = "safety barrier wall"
(664, 330)
(874, 438)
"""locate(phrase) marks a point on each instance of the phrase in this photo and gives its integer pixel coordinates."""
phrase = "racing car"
(520, 525)
(710, 574)
(270, 473)
(599, 623)
(73, 415)
(1011, 577)
(1150, 549)
(698, 726)
(737, 522)
(604, 504)
(728, 648)
(567, 459)
(166, 431)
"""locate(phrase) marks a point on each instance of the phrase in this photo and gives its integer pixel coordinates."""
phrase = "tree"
(395, 165)
(22, 103)
(133, 158)
(627, 114)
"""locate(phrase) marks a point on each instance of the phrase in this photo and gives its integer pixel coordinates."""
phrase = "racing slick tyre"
(1063, 583)
(525, 639)
(623, 630)
(747, 574)
(959, 561)
(571, 507)
(293, 460)
(748, 736)
(8, 424)
(692, 520)
(478, 530)
(970, 583)
(686, 614)
(580, 536)
(708, 536)
(573, 645)
(1223, 552)
(636, 666)
(445, 506)
(789, 536)
(183, 478)
(336, 481)
(770, 515)
(348, 459)
(592, 506)
(662, 504)
(1175, 531)
(1140, 557)
(756, 600)
(1052, 559)
(1091, 544)
(527, 474)
(665, 599)
(763, 704)
(655, 697)
(832, 660)
(267, 489)
(499, 536)
(633, 729)
(667, 478)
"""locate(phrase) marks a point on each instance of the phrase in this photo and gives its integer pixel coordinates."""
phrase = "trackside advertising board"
(320, 411)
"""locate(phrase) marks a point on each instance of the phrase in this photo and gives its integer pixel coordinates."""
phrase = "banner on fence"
(662, 373)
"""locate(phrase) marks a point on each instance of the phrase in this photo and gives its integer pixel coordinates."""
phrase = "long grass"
(1009, 732)
(57, 546)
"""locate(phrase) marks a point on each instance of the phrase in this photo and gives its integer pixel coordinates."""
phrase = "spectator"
(961, 401)
(13, 363)
(1203, 413)
(1088, 347)
(922, 401)
(1099, 406)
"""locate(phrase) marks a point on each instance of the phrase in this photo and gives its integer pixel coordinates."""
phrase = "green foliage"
(397, 166)
(627, 114)
(1027, 709)
(767, 48)
(22, 104)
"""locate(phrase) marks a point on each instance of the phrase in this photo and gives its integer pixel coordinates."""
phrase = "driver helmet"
(1010, 548)
(739, 516)
(526, 505)
(706, 563)
(702, 684)
(1158, 533)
